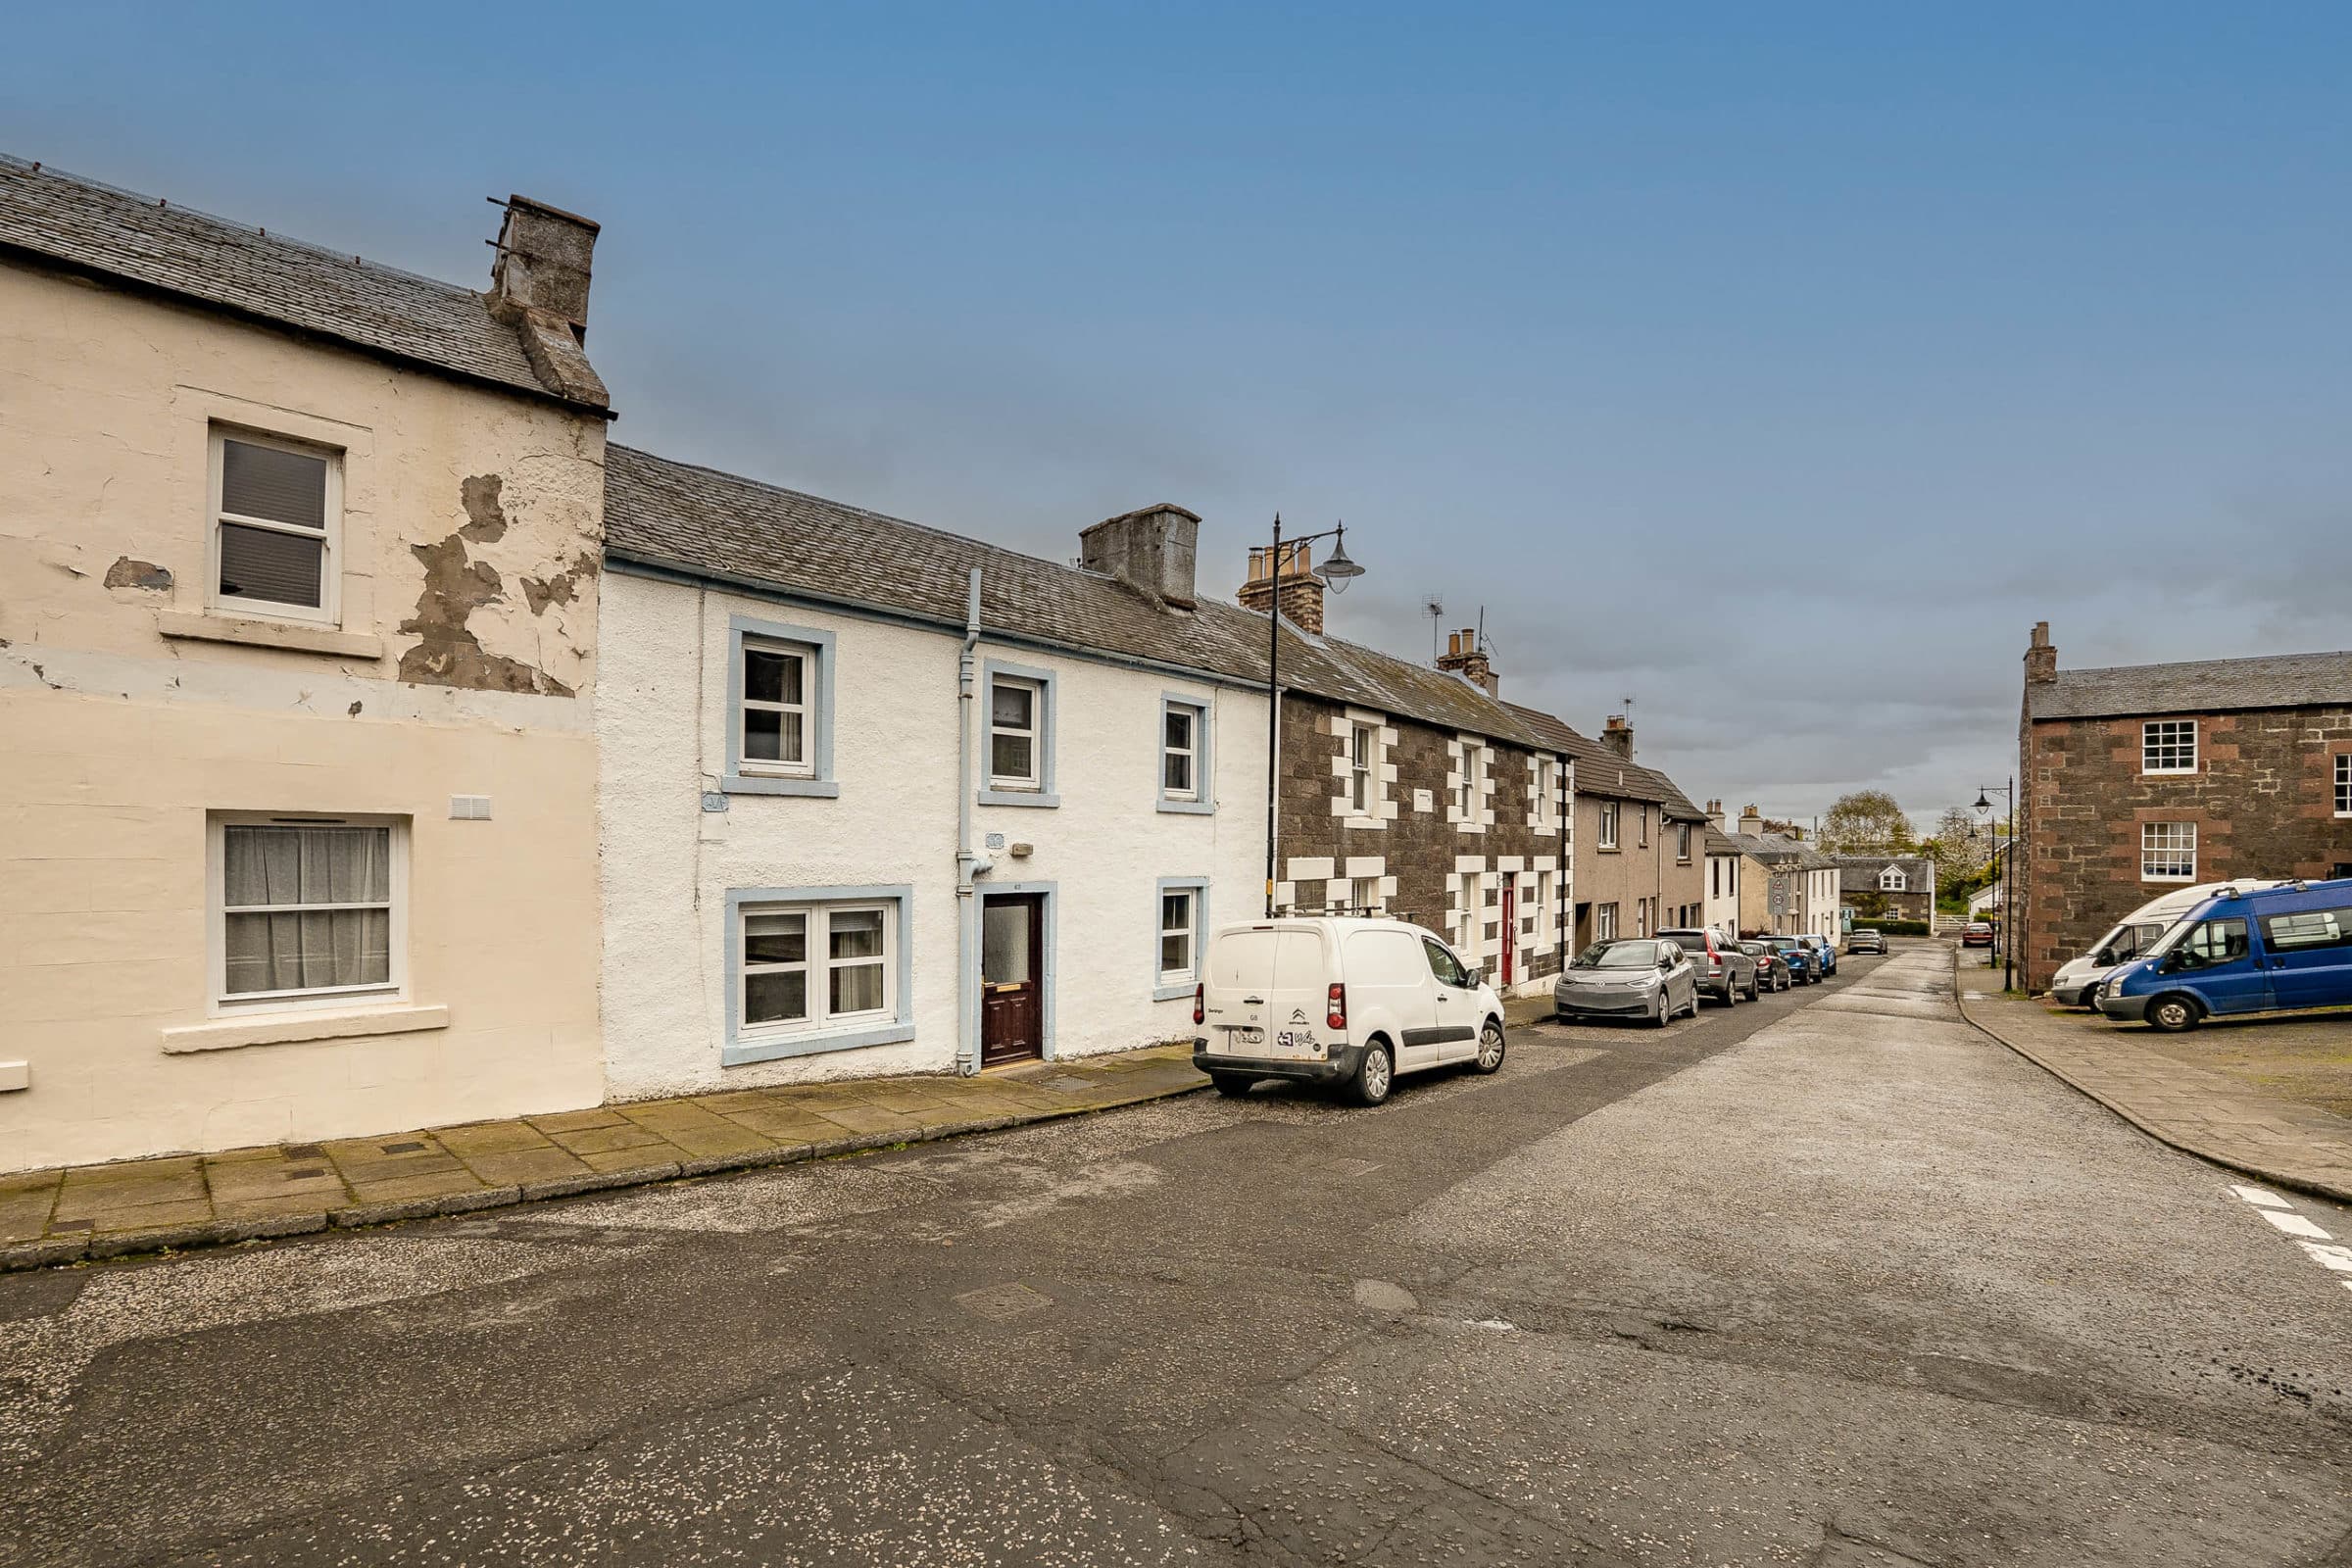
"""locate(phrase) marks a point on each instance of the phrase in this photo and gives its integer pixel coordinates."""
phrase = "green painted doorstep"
(95, 1211)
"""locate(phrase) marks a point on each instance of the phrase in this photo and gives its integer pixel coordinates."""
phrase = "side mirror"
(1478, 977)
(1665, 964)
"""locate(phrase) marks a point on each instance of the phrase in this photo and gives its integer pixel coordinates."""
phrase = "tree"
(1866, 822)
(1962, 849)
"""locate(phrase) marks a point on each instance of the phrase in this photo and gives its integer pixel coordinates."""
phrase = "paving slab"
(54, 1217)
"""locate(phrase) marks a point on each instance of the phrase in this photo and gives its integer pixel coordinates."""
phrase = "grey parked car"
(1724, 971)
(1637, 978)
(1864, 940)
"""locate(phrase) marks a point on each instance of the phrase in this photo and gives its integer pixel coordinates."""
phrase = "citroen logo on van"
(1298, 1015)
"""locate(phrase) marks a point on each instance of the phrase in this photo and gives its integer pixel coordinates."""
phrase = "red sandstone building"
(2148, 776)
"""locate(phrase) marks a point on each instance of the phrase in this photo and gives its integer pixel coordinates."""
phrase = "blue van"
(2257, 952)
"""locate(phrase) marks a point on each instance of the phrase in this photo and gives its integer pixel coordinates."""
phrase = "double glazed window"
(1180, 752)
(2168, 852)
(811, 965)
(305, 907)
(276, 519)
(1608, 825)
(1546, 784)
(1015, 729)
(1362, 755)
(2168, 745)
(2343, 784)
(1604, 922)
(1892, 880)
(1178, 935)
(1682, 841)
(1364, 895)
(777, 718)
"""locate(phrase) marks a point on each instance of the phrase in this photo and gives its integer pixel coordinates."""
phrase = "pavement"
(1830, 1279)
(2211, 1115)
(144, 1205)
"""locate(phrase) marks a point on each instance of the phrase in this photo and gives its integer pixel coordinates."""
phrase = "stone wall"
(2262, 797)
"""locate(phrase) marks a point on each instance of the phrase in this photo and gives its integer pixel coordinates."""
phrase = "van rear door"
(2309, 953)
(1264, 992)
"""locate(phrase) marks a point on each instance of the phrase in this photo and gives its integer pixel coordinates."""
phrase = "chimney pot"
(1151, 549)
(1465, 658)
(1296, 588)
(1618, 736)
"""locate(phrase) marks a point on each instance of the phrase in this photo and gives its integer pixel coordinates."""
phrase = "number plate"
(1245, 1035)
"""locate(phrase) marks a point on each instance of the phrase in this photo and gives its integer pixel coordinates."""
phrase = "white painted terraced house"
(877, 799)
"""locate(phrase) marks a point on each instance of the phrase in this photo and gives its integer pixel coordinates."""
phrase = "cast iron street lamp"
(2001, 932)
(1339, 571)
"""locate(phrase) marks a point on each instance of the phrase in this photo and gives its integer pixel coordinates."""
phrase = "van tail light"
(1336, 1008)
(1199, 997)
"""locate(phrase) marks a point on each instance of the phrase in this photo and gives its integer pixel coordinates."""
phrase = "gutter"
(969, 866)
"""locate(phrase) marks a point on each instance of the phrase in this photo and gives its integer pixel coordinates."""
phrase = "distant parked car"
(1977, 934)
(1864, 940)
(1772, 974)
(1724, 972)
(1639, 978)
(1803, 968)
(1825, 952)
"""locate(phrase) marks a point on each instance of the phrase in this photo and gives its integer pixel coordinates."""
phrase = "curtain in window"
(273, 943)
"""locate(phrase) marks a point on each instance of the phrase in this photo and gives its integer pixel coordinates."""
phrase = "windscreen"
(1618, 956)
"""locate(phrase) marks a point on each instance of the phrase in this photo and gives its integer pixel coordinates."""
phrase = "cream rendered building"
(299, 570)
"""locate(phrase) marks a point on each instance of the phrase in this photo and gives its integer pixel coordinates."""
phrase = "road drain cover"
(1000, 1304)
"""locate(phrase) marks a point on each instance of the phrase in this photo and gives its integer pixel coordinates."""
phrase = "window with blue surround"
(814, 969)
(1186, 781)
(779, 709)
(1178, 935)
(1018, 755)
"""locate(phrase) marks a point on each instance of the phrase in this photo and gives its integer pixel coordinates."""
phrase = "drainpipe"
(968, 864)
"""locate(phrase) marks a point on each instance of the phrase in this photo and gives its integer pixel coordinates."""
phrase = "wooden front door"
(1012, 983)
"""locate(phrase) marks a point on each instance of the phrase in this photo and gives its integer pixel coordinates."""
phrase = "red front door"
(1510, 925)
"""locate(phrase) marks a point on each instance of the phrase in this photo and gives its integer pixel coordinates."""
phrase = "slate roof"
(190, 254)
(1720, 843)
(1599, 770)
(1783, 853)
(2204, 686)
(726, 529)
(1859, 873)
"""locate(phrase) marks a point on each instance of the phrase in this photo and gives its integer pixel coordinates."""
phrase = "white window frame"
(1682, 843)
(808, 659)
(2343, 783)
(223, 1004)
(1604, 922)
(1606, 837)
(818, 964)
(328, 611)
(1640, 918)
(1893, 880)
(2164, 844)
(1035, 779)
(1642, 843)
(1187, 972)
(1364, 769)
(1547, 785)
(1363, 894)
(2163, 737)
(1192, 715)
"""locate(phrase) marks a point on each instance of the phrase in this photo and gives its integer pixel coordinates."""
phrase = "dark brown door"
(1012, 987)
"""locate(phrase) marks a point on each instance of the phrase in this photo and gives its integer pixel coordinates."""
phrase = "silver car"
(1640, 979)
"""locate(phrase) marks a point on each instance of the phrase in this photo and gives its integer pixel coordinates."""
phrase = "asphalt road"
(1826, 1278)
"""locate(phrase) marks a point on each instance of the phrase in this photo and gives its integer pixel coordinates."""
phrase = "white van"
(1325, 999)
(2077, 981)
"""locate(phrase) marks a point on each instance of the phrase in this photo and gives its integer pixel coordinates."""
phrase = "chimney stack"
(1150, 551)
(1618, 736)
(1297, 590)
(1715, 818)
(1751, 821)
(539, 285)
(1464, 657)
(2042, 659)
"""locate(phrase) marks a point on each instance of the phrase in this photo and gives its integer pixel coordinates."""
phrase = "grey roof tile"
(178, 251)
(2203, 686)
(725, 528)
(1859, 873)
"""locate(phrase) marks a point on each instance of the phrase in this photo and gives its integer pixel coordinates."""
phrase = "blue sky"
(1778, 366)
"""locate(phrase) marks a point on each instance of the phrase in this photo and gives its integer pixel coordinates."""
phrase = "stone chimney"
(1751, 820)
(1300, 590)
(2042, 659)
(1715, 819)
(1463, 656)
(1150, 551)
(539, 285)
(1618, 736)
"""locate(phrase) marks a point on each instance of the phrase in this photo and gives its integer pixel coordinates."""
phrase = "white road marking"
(2338, 1258)
(2261, 1196)
(2295, 1224)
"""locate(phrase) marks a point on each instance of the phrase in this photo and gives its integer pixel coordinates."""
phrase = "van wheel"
(1231, 1083)
(1373, 1075)
(2174, 1014)
(1489, 1047)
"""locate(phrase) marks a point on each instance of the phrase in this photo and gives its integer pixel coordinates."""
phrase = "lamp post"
(2001, 930)
(1339, 571)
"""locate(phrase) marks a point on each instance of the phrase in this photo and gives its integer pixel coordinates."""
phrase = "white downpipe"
(968, 864)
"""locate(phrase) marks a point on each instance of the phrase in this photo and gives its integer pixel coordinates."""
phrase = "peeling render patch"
(561, 589)
(448, 652)
(127, 573)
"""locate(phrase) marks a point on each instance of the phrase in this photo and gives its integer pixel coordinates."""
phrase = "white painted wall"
(667, 864)
(1723, 907)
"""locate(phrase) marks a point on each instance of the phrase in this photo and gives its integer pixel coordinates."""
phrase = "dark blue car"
(1804, 964)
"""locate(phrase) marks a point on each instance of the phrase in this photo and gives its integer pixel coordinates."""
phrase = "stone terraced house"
(2137, 778)
(1640, 844)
